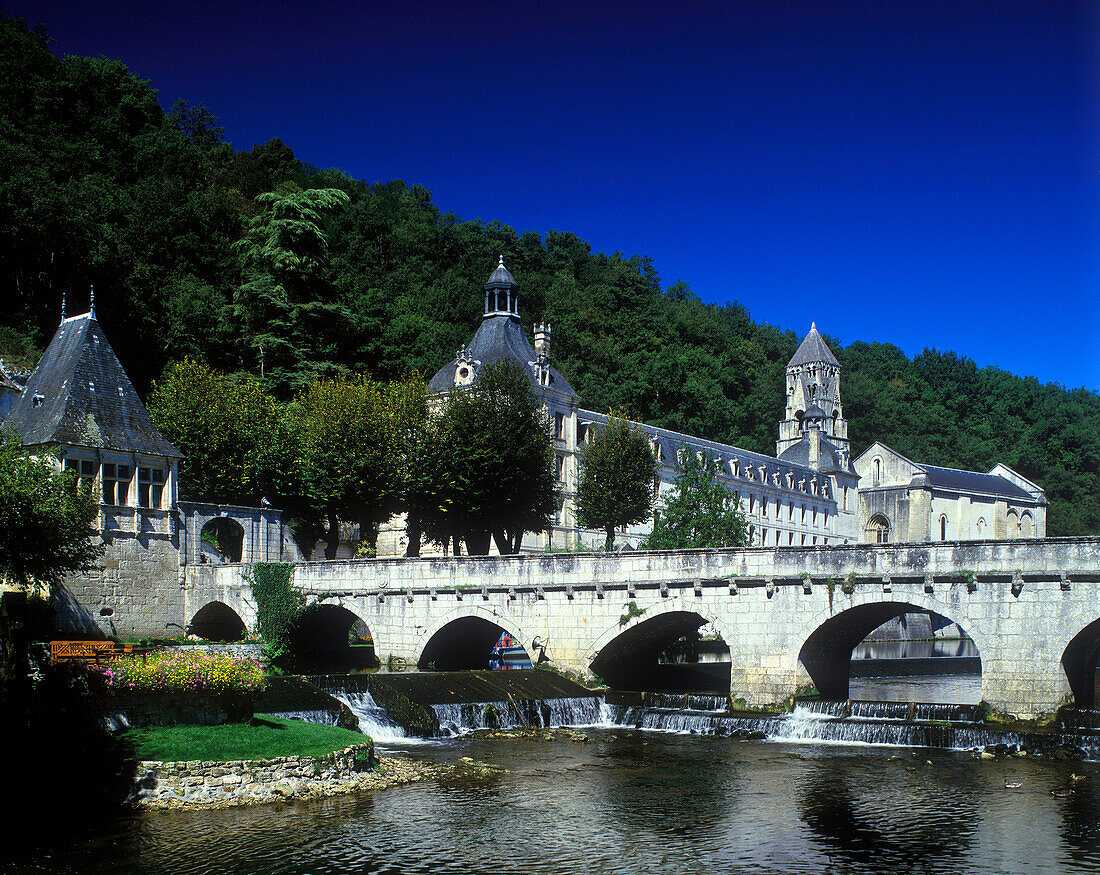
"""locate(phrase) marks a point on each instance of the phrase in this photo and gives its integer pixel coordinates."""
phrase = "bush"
(174, 671)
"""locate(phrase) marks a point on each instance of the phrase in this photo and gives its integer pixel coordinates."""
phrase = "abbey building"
(811, 493)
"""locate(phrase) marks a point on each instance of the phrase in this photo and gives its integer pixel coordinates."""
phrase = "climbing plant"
(278, 605)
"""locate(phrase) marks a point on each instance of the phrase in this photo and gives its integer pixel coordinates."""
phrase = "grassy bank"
(262, 738)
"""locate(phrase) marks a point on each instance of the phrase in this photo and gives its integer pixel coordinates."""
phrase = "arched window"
(878, 472)
(943, 527)
(1027, 529)
(878, 529)
(980, 526)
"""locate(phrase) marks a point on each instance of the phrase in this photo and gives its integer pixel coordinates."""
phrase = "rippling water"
(643, 802)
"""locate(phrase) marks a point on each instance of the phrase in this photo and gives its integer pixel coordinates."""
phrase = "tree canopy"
(615, 486)
(45, 519)
(491, 464)
(698, 511)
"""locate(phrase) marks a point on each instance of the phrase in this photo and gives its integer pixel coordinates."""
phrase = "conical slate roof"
(80, 395)
(813, 349)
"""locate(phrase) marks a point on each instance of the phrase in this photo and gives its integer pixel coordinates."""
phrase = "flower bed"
(178, 671)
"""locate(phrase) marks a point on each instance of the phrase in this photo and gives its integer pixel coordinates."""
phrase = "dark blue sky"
(920, 173)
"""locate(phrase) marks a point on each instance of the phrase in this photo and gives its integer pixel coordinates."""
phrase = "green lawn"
(264, 738)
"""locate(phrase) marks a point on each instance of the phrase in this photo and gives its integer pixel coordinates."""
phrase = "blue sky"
(920, 173)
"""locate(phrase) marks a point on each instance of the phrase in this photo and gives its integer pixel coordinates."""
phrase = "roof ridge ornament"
(91, 302)
(62, 306)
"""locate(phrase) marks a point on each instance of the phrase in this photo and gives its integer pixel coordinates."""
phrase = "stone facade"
(789, 617)
(904, 501)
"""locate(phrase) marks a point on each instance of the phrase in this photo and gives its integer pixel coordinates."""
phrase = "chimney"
(542, 341)
(815, 445)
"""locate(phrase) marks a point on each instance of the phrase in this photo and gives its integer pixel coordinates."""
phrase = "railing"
(95, 651)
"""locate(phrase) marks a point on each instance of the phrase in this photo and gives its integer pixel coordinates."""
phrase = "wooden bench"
(94, 651)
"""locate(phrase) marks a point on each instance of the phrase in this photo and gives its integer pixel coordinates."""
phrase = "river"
(635, 801)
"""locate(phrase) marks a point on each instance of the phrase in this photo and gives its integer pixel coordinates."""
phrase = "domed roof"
(501, 277)
(814, 412)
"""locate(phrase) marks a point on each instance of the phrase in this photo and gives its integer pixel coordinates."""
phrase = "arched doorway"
(329, 639)
(221, 540)
(677, 651)
(1079, 661)
(470, 643)
(217, 621)
(827, 656)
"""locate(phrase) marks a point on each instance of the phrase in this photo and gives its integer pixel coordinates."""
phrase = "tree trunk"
(609, 544)
(503, 542)
(414, 534)
(333, 536)
(477, 543)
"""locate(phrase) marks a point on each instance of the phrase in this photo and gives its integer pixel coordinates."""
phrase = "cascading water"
(845, 722)
(459, 718)
(373, 720)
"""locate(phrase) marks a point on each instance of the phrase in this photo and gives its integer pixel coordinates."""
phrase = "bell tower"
(813, 381)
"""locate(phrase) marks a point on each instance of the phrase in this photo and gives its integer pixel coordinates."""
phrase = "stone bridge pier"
(790, 617)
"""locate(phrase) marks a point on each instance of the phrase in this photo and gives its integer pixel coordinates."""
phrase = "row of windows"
(787, 539)
(790, 511)
(115, 481)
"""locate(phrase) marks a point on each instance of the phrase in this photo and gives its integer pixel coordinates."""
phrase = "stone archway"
(466, 643)
(1079, 661)
(637, 656)
(826, 652)
(216, 621)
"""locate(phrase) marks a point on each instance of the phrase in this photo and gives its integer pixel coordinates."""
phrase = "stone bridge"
(789, 616)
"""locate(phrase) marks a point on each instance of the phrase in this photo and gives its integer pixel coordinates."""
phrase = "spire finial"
(62, 306)
(813, 326)
(501, 261)
(91, 302)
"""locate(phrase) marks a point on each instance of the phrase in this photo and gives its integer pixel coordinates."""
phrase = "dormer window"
(36, 400)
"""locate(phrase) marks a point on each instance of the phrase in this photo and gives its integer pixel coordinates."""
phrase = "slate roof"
(971, 481)
(669, 442)
(499, 336)
(85, 397)
(813, 349)
(831, 459)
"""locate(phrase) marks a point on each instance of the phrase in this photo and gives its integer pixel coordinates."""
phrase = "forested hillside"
(98, 185)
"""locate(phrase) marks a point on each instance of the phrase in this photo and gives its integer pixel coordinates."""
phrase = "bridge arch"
(1079, 663)
(626, 655)
(824, 645)
(464, 637)
(331, 637)
(216, 621)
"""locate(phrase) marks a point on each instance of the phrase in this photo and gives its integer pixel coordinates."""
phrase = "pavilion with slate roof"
(79, 406)
(80, 402)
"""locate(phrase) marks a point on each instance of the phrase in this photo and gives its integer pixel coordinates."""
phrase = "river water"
(634, 801)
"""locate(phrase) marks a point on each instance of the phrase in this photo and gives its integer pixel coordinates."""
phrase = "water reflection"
(940, 689)
(929, 649)
(634, 802)
(854, 812)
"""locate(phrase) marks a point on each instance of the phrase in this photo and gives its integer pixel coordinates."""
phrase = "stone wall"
(213, 784)
(133, 592)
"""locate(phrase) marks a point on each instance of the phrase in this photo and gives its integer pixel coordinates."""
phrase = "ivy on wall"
(278, 604)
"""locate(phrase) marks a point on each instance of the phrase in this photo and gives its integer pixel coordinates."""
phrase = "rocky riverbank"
(195, 785)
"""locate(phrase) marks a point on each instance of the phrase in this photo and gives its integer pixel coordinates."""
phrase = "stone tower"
(813, 381)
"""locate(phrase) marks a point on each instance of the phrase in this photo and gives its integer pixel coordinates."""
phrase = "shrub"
(174, 671)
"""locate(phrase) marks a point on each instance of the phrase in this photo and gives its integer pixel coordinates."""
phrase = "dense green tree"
(45, 519)
(284, 305)
(490, 463)
(223, 425)
(698, 511)
(616, 480)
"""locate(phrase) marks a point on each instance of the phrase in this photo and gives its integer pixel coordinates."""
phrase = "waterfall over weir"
(412, 708)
